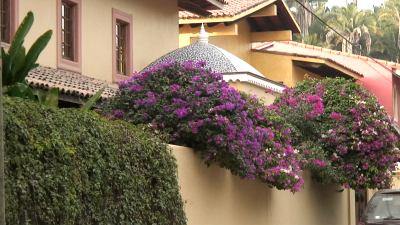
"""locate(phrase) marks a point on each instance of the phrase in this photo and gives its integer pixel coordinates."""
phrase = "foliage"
(345, 136)
(386, 43)
(48, 98)
(375, 32)
(73, 167)
(196, 108)
(91, 102)
(16, 63)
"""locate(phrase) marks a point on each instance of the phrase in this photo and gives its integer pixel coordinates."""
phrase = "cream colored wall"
(155, 31)
(238, 44)
(45, 19)
(213, 196)
(254, 90)
(278, 68)
(396, 180)
(300, 74)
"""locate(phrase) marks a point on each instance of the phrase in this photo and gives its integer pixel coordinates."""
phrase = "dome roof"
(217, 59)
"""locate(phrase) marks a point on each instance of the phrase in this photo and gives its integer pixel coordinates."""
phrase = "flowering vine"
(197, 108)
(343, 133)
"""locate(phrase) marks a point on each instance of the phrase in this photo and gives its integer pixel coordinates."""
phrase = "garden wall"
(213, 196)
(396, 180)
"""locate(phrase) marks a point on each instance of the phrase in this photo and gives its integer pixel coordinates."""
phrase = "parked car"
(383, 208)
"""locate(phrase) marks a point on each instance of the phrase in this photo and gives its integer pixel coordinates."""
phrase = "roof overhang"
(254, 80)
(316, 64)
(200, 7)
(326, 67)
(73, 87)
(285, 19)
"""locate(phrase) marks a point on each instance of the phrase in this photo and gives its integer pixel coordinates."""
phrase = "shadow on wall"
(213, 195)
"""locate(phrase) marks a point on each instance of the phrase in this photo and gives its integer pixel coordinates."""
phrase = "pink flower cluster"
(197, 108)
(344, 134)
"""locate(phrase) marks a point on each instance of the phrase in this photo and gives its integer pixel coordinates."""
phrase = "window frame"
(118, 15)
(14, 15)
(75, 64)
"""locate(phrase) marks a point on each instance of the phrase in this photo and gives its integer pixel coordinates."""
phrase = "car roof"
(389, 191)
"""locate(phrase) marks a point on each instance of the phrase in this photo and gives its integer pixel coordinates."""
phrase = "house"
(377, 76)
(238, 73)
(97, 42)
(240, 23)
(260, 32)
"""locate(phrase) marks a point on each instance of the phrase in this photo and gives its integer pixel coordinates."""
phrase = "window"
(122, 47)
(8, 18)
(120, 44)
(68, 35)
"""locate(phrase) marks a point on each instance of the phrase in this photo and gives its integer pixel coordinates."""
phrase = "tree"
(354, 25)
(303, 16)
(386, 44)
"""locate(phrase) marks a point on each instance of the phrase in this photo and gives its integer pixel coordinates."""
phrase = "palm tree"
(354, 25)
(303, 16)
(387, 38)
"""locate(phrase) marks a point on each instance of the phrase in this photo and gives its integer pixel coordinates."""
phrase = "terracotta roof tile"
(231, 8)
(362, 65)
(69, 83)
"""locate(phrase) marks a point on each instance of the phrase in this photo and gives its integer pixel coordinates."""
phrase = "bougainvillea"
(343, 133)
(196, 108)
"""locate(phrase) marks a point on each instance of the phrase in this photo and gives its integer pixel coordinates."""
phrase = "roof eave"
(226, 18)
(251, 78)
(293, 23)
(327, 62)
(200, 9)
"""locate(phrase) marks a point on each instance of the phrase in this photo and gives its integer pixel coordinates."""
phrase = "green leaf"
(20, 35)
(6, 74)
(33, 54)
(52, 97)
(18, 65)
(92, 100)
(21, 90)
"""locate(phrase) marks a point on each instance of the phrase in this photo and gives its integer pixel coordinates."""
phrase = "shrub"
(73, 167)
(343, 132)
(196, 108)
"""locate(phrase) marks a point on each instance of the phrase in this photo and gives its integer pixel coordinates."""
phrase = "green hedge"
(72, 167)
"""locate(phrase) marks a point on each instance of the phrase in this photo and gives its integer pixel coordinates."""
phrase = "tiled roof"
(69, 83)
(231, 8)
(362, 65)
(216, 59)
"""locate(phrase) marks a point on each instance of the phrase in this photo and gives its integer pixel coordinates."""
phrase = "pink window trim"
(119, 15)
(76, 64)
(14, 22)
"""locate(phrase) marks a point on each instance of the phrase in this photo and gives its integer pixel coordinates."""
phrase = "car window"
(384, 206)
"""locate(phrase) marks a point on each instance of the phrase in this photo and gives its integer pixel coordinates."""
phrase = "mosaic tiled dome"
(217, 59)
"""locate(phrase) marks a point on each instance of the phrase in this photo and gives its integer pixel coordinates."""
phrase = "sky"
(362, 4)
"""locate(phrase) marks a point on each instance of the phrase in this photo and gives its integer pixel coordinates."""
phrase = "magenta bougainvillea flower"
(197, 108)
(343, 133)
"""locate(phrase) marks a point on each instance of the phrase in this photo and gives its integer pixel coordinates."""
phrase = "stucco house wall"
(234, 38)
(150, 37)
(396, 180)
